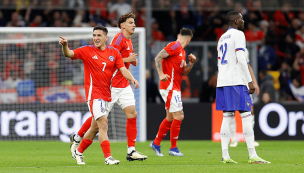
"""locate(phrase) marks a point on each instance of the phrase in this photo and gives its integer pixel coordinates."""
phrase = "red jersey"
(173, 66)
(125, 47)
(99, 66)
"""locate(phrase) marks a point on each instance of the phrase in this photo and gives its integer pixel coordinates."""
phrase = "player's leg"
(256, 144)
(175, 107)
(86, 142)
(234, 141)
(249, 138)
(126, 101)
(165, 125)
(174, 132)
(104, 140)
(225, 136)
(76, 138)
(101, 112)
(223, 100)
(163, 129)
(245, 103)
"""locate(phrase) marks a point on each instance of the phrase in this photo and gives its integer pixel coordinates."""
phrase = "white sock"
(130, 149)
(248, 133)
(78, 153)
(233, 129)
(253, 121)
(77, 138)
(225, 133)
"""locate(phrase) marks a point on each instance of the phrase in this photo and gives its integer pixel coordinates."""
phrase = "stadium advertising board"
(41, 121)
(279, 122)
(273, 121)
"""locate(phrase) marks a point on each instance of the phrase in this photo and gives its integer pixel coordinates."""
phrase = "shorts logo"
(180, 105)
(103, 110)
(111, 58)
(248, 104)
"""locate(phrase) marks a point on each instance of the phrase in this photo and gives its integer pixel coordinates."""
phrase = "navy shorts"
(232, 98)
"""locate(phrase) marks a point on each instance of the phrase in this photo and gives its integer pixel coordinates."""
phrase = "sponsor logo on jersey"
(111, 58)
(103, 110)
(95, 57)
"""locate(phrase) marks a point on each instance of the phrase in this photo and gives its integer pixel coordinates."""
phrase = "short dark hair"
(186, 32)
(100, 27)
(231, 16)
(124, 18)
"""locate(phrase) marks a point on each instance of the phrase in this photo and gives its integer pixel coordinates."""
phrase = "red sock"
(85, 127)
(164, 127)
(85, 143)
(175, 128)
(131, 130)
(106, 149)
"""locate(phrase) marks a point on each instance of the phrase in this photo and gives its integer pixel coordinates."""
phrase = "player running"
(121, 91)
(232, 93)
(100, 62)
(171, 63)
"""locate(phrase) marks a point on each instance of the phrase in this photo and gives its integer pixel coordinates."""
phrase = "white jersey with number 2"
(230, 73)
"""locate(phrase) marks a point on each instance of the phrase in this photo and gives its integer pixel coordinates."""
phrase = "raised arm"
(159, 66)
(188, 67)
(65, 48)
(126, 73)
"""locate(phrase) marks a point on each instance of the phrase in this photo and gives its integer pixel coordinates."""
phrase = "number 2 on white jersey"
(224, 50)
(105, 64)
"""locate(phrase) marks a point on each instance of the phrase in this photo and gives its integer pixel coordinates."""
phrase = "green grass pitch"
(199, 156)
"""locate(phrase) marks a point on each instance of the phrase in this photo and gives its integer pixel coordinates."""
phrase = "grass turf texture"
(199, 156)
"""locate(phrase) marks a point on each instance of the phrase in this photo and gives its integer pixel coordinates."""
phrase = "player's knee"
(103, 126)
(95, 128)
(132, 114)
(180, 117)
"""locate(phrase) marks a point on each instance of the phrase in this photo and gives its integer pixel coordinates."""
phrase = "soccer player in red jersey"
(171, 63)
(121, 91)
(100, 62)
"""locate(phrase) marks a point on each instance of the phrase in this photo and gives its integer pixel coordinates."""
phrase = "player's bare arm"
(132, 57)
(188, 67)
(159, 66)
(255, 83)
(126, 73)
(65, 48)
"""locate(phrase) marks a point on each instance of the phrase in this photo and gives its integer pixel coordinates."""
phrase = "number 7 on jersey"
(224, 50)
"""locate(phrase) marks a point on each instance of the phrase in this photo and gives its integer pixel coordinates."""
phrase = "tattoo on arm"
(158, 59)
(181, 112)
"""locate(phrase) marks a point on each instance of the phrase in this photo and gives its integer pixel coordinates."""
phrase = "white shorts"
(98, 108)
(172, 99)
(124, 97)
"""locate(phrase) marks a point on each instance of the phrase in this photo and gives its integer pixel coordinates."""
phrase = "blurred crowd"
(277, 25)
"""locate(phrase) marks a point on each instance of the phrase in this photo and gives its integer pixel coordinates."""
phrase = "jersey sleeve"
(172, 49)
(79, 53)
(247, 56)
(240, 41)
(117, 43)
